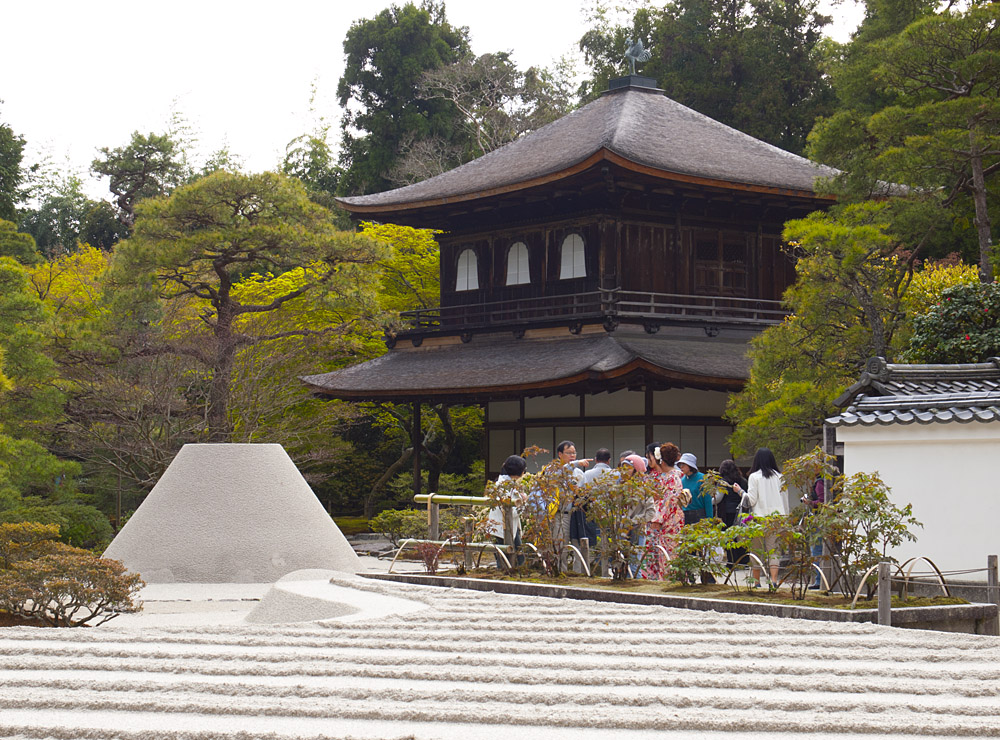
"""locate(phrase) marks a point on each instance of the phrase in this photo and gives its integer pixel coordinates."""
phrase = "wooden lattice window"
(720, 265)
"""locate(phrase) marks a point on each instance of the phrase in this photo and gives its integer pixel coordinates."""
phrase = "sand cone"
(230, 513)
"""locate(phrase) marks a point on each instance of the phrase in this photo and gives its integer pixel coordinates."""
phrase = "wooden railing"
(604, 303)
(674, 305)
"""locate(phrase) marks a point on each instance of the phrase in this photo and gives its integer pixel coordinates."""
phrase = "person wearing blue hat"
(701, 505)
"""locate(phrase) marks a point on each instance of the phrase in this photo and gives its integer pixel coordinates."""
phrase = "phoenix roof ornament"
(636, 53)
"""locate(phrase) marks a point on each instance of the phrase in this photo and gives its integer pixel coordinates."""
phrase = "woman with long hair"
(766, 496)
(734, 485)
(668, 516)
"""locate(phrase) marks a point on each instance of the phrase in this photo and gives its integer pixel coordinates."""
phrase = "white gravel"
(422, 662)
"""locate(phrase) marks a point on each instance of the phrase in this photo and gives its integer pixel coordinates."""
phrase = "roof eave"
(602, 155)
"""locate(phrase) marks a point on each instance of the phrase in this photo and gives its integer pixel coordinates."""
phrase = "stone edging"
(920, 616)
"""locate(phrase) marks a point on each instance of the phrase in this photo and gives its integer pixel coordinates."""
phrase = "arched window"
(517, 264)
(468, 271)
(572, 264)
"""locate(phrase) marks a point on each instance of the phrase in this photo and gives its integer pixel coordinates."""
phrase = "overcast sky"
(78, 75)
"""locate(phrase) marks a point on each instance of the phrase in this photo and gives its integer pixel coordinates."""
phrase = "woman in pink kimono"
(666, 523)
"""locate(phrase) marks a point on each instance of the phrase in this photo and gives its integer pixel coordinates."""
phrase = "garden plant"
(63, 586)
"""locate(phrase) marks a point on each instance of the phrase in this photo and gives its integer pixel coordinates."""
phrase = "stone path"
(480, 665)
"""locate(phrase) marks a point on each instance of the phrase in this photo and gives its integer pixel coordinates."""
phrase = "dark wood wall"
(678, 256)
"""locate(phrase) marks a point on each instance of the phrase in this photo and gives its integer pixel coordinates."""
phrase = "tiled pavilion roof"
(921, 394)
(634, 126)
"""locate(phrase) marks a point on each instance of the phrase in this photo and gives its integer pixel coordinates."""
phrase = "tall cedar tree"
(386, 57)
(756, 66)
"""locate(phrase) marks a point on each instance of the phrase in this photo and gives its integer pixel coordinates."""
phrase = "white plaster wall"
(945, 470)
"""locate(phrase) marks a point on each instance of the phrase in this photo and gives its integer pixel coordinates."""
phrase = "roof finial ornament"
(635, 53)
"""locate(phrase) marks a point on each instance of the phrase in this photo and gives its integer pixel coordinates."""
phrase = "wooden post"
(584, 548)
(993, 584)
(508, 525)
(415, 442)
(433, 518)
(884, 595)
(468, 539)
(508, 533)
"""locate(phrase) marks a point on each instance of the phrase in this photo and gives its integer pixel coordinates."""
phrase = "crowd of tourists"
(680, 500)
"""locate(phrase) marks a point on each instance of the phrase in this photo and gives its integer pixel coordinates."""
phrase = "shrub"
(58, 584)
(862, 523)
(80, 525)
(400, 524)
(25, 541)
(858, 522)
(69, 588)
(429, 552)
(616, 505)
(752, 534)
(696, 549)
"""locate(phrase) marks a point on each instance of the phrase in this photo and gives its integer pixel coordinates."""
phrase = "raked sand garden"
(390, 660)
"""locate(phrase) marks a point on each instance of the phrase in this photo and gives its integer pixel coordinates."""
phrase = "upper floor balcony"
(603, 306)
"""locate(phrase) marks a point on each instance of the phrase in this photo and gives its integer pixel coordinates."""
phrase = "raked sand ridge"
(458, 664)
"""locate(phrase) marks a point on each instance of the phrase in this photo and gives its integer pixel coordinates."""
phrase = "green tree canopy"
(18, 245)
(11, 172)
(756, 66)
(200, 242)
(846, 306)
(146, 167)
(386, 57)
(28, 398)
(945, 131)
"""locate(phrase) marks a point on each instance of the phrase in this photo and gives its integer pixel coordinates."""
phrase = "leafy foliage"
(756, 66)
(11, 172)
(945, 130)
(615, 503)
(964, 326)
(847, 307)
(201, 242)
(25, 541)
(64, 216)
(928, 284)
(400, 524)
(385, 59)
(551, 497)
(858, 520)
(61, 585)
(17, 245)
(148, 166)
(861, 524)
(696, 551)
(80, 525)
(70, 588)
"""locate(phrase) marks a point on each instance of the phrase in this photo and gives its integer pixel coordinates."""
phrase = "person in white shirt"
(766, 495)
(513, 468)
(566, 454)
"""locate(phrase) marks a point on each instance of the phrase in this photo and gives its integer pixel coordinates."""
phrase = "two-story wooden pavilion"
(600, 278)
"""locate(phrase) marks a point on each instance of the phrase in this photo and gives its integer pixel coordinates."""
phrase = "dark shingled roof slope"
(642, 126)
(921, 394)
(490, 365)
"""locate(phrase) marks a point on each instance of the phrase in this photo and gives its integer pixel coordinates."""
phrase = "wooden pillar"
(415, 437)
(884, 595)
(993, 586)
(648, 412)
